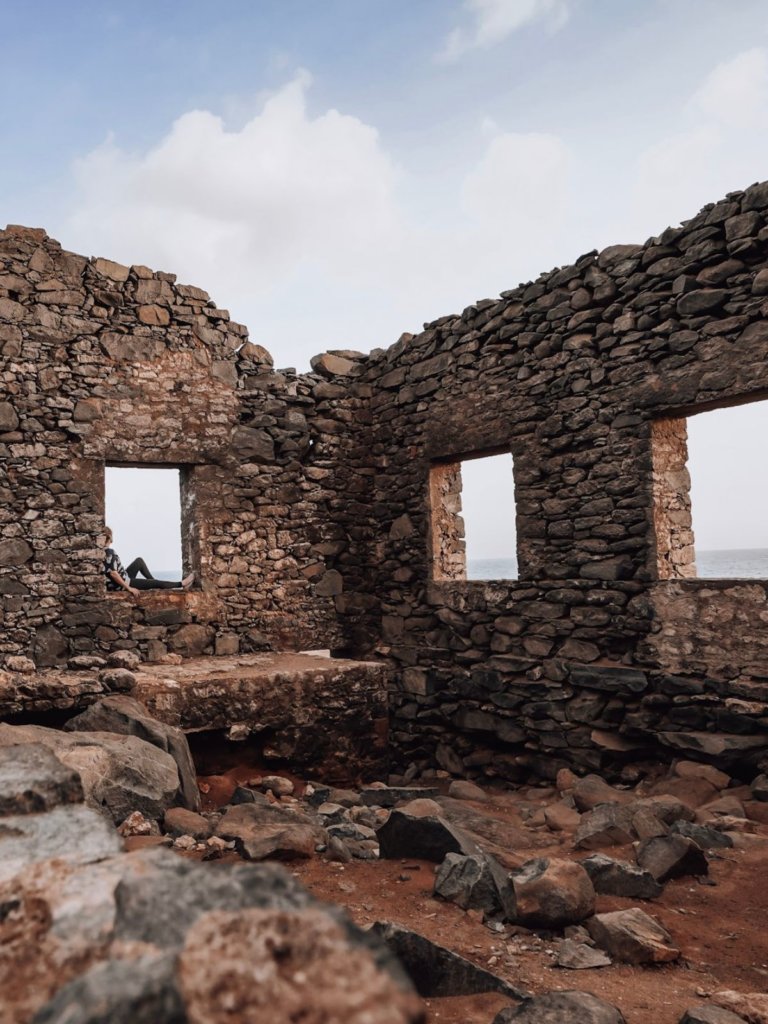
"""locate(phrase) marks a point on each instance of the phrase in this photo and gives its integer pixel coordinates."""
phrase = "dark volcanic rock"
(618, 878)
(561, 1008)
(478, 882)
(436, 971)
(704, 836)
(672, 856)
(33, 779)
(423, 837)
(605, 825)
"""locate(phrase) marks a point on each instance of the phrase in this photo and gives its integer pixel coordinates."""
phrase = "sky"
(337, 173)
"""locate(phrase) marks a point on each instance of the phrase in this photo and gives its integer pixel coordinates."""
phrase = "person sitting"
(119, 578)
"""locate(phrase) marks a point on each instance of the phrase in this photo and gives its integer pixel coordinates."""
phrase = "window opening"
(710, 495)
(143, 510)
(473, 534)
(729, 491)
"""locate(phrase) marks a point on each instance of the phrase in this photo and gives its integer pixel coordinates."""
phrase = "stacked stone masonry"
(310, 502)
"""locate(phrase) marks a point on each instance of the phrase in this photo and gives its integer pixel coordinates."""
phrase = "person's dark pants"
(138, 565)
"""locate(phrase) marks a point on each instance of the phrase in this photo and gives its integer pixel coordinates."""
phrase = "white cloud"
(492, 21)
(736, 91)
(721, 145)
(283, 189)
(300, 224)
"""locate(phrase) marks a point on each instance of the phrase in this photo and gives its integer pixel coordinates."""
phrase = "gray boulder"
(552, 893)
(478, 882)
(129, 717)
(141, 991)
(618, 878)
(632, 937)
(72, 833)
(561, 1008)
(119, 774)
(672, 856)
(33, 779)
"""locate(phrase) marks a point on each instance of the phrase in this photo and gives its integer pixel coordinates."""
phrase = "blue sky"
(338, 172)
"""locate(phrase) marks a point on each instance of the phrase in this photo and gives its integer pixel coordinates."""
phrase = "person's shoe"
(187, 582)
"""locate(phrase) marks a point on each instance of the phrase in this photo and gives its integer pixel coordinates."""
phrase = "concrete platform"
(325, 714)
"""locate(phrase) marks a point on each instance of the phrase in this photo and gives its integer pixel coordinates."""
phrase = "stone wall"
(105, 364)
(323, 510)
(598, 651)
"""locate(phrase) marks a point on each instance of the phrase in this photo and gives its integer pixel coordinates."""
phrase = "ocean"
(742, 563)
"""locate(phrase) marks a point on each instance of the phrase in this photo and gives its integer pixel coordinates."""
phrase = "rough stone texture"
(263, 831)
(673, 856)
(632, 937)
(578, 956)
(119, 774)
(33, 779)
(617, 878)
(752, 1006)
(478, 882)
(63, 918)
(552, 893)
(435, 970)
(707, 1014)
(323, 510)
(71, 833)
(561, 1008)
(126, 716)
(140, 991)
(283, 967)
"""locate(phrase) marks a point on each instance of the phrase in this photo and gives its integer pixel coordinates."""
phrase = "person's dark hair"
(108, 534)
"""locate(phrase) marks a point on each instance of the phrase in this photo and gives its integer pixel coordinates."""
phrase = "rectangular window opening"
(709, 486)
(472, 507)
(143, 508)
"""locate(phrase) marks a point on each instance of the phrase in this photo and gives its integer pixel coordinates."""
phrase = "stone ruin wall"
(606, 648)
(326, 505)
(104, 364)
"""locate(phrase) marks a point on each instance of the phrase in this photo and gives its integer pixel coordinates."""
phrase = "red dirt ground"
(720, 927)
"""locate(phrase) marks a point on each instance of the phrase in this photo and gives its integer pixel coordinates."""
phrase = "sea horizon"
(725, 563)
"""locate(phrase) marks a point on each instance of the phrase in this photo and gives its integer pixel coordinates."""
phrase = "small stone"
(617, 878)
(277, 784)
(178, 821)
(605, 825)
(632, 937)
(476, 882)
(462, 789)
(672, 856)
(561, 818)
(579, 957)
(136, 825)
